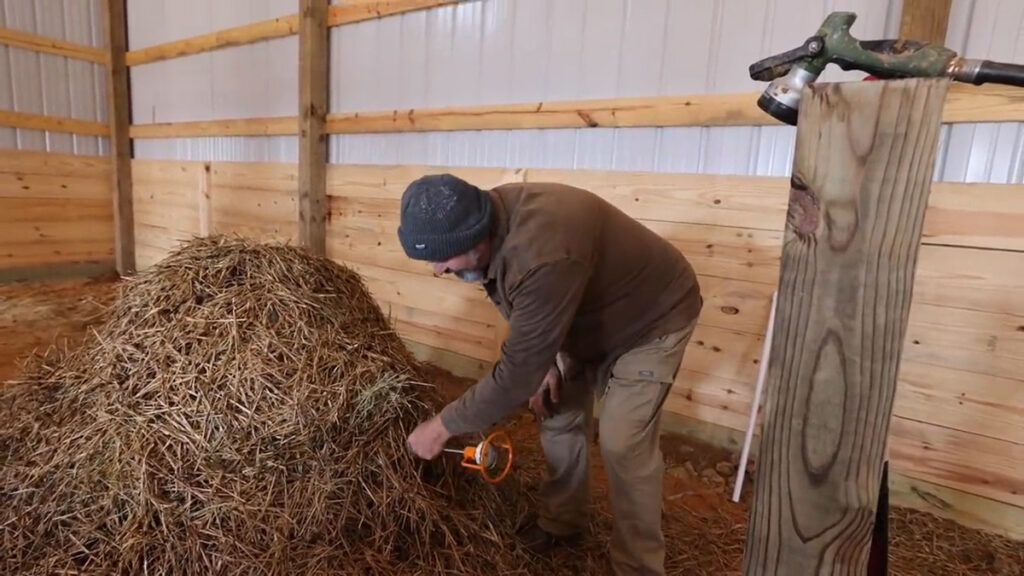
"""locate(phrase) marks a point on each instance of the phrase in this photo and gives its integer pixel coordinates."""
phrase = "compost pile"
(243, 409)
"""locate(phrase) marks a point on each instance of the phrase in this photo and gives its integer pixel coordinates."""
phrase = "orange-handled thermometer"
(492, 457)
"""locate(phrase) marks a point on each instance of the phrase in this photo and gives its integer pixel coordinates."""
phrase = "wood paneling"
(254, 201)
(965, 103)
(42, 122)
(976, 464)
(964, 313)
(20, 39)
(54, 209)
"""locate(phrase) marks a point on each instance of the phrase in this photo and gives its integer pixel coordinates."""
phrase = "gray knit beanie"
(442, 216)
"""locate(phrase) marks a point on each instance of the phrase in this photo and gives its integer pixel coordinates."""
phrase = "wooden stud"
(313, 74)
(864, 160)
(270, 126)
(965, 103)
(20, 39)
(925, 20)
(42, 122)
(119, 114)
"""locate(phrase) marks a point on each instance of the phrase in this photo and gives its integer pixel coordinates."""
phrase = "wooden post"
(313, 74)
(865, 154)
(119, 115)
(925, 20)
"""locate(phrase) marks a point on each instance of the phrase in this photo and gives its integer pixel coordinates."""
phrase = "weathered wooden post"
(864, 160)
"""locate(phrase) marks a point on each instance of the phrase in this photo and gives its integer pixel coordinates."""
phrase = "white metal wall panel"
(504, 51)
(39, 83)
(253, 80)
(985, 152)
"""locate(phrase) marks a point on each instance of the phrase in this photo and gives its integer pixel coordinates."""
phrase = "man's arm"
(543, 306)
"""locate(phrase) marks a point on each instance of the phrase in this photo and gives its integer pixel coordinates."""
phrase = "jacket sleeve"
(543, 307)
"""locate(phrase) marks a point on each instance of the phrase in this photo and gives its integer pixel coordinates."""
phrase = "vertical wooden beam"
(925, 20)
(865, 152)
(119, 115)
(313, 75)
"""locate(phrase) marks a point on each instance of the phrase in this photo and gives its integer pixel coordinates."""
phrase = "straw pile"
(243, 409)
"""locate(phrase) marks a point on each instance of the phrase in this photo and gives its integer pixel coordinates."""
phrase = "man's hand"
(550, 384)
(428, 439)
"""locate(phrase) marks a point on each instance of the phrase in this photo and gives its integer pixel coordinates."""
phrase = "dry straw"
(243, 409)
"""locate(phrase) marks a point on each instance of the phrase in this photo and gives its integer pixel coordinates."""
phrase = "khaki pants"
(630, 419)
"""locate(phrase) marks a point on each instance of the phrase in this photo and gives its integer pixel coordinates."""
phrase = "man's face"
(470, 266)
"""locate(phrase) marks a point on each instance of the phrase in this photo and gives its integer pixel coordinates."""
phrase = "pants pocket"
(656, 361)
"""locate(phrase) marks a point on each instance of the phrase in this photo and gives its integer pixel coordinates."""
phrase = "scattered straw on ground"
(35, 315)
(243, 409)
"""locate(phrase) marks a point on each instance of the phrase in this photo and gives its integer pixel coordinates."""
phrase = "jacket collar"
(499, 233)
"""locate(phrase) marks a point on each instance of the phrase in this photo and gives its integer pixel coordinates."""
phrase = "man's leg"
(564, 495)
(629, 430)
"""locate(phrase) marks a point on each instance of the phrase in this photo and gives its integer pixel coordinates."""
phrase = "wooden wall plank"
(267, 126)
(938, 454)
(47, 45)
(346, 13)
(260, 202)
(965, 103)
(31, 210)
(970, 278)
(55, 209)
(962, 507)
(865, 154)
(709, 199)
(746, 254)
(119, 115)
(740, 270)
(972, 403)
(389, 181)
(314, 71)
(20, 185)
(27, 121)
(974, 215)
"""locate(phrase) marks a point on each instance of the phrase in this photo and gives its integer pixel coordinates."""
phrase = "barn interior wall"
(49, 84)
(718, 193)
(56, 214)
(503, 51)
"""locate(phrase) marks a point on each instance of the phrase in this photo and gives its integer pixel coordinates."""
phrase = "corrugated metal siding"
(53, 85)
(989, 152)
(258, 79)
(501, 51)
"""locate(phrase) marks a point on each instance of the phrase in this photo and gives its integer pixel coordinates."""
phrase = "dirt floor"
(704, 529)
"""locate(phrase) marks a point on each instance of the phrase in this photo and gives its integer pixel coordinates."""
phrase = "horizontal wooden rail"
(53, 123)
(965, 103)
(339, 14)
(20, 39)
(271, 126)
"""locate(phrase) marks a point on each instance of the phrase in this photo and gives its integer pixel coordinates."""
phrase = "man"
(596, 303)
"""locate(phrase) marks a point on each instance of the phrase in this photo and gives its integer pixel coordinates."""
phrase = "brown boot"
(539, 541)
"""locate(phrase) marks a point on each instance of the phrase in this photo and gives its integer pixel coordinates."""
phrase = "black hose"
(1000, 73)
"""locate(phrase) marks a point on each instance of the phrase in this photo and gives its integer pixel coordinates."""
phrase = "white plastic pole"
(762, 371)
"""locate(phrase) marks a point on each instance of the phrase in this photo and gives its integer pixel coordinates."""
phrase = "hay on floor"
(243, 409)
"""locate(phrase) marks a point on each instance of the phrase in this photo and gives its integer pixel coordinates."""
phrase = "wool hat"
(442, 216)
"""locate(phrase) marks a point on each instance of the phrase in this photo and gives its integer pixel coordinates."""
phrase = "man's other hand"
(428, 439)
(550, 384)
